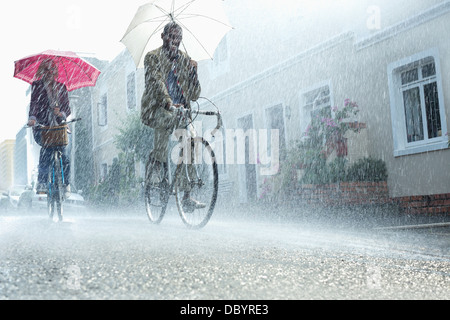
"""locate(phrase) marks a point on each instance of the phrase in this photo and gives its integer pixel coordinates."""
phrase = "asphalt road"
(106, 256)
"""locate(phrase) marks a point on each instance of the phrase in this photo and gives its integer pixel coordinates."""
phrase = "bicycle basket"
(54, 136)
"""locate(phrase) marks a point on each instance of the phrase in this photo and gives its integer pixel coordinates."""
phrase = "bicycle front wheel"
(198, 179)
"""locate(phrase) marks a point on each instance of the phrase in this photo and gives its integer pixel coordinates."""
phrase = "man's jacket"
(156, 95)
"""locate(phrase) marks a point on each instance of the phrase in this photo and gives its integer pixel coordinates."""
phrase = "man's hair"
(170, 26)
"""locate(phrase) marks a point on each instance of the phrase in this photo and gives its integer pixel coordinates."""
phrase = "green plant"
(306, 162)
(324, 134)
(367, 169)
(337, 170)
(121, 187)
(134, 137)
(329, 125)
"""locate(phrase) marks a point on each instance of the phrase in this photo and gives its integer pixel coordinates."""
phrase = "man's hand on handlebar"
(173, 107)
(31, 123)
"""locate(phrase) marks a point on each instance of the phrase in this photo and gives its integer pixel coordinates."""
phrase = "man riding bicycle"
(49, 106)
(170, 81)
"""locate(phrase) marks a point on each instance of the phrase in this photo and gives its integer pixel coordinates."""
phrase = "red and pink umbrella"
(73, 71)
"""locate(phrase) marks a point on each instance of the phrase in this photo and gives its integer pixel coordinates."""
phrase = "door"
(247, 171)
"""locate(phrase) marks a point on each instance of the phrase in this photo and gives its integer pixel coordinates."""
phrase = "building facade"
(117, 94)
(6, 164)
(390, 58)
(26, 158)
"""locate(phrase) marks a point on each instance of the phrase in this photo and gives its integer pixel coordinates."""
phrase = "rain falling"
(206, 151)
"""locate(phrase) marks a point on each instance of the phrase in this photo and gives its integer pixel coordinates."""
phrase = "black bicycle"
(196, 171)
(56, 138)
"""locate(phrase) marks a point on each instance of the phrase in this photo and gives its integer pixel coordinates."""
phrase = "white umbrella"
(204, 24)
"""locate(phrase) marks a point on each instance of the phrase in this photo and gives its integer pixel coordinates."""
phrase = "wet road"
(125, 257)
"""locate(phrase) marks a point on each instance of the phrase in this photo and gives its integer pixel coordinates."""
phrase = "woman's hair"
(46, 66)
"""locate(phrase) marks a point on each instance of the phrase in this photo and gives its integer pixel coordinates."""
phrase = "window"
(103, 171)
(131, 91)
(275, 120)
(417, 83)
(103, 111)
(313, 100)
(220, 149)
(417, 104)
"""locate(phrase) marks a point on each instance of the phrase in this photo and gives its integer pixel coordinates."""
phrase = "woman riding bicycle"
(170, 81)
(49, 106)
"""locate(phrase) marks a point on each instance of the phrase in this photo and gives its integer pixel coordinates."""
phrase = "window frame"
(306, 113)
(102, 109)
(133, 86)
(103, 171)
(268, 113)
(396, 90)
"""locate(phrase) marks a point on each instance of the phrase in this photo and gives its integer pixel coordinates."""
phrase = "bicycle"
(55, 138)
(196, 169)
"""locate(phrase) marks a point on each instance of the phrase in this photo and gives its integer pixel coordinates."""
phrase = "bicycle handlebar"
(212, 113)
(61, 124)
(73, 120)
(182, 110)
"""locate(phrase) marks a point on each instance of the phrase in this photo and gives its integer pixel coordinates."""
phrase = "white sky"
(30, 26)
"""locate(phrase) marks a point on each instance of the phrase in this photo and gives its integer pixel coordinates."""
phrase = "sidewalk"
(373, 217)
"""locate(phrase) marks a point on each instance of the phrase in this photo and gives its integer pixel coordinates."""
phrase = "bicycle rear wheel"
(200, 179)
(157, 193)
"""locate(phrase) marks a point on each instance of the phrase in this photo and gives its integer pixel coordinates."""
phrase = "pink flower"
(307, 129)
(346, 102)
(329, 122)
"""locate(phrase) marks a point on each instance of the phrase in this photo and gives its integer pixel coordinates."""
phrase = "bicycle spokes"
(196, 187)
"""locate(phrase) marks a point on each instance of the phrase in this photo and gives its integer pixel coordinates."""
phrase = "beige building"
(390, 57)
(6, 164)
(117, 93)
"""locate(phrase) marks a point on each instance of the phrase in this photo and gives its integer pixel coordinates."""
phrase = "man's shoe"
(191, 204)
(41, 188)
(66, 190)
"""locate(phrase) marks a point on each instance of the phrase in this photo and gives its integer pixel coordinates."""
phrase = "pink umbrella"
(73, 71)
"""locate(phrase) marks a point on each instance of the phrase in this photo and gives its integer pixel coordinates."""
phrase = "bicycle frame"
(184, 116)
(56, 179)
(186, 177)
